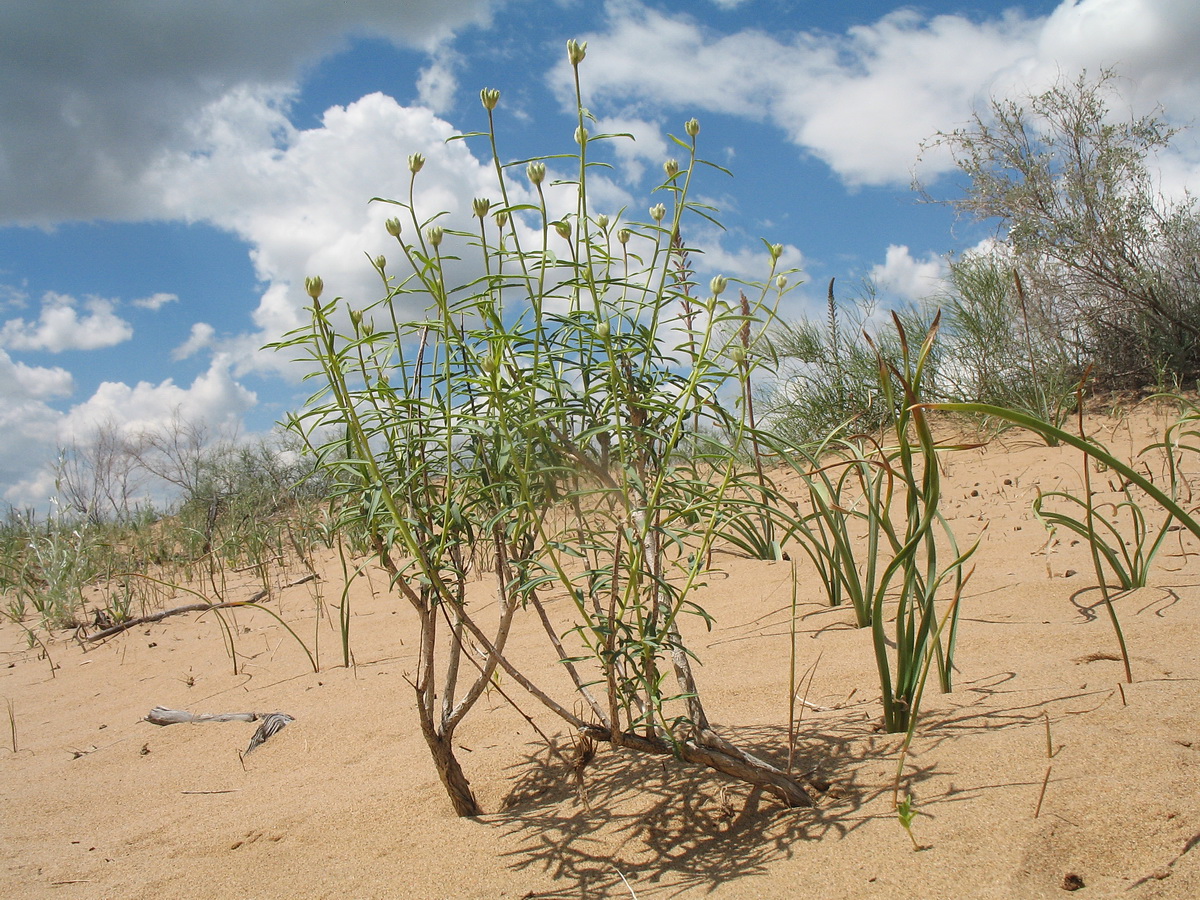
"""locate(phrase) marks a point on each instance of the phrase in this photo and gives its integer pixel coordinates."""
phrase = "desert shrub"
(250, 501)
(572, 419)
(825, 375)
(46, 566)
(1100, 252)
(999, 347)
(247, 503)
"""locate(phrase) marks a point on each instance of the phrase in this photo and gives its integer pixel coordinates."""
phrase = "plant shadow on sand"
(669, 828)
(642, 826)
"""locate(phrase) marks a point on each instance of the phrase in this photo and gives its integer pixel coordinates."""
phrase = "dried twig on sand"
(189, 607)
(272, 723)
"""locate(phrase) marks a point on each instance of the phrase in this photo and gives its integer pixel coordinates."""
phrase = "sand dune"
(344, 802)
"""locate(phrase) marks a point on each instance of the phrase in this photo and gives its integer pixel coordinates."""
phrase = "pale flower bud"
(603, 330)
(536, 172)
(623, 235)
(776, 251)
(415, 162)
(576, 51)
(692, 127)
(781, 282)
(314, 285)
(563, 228)
(393, 227)
(718, 285)
(490, 97)
(671, 167)
(435, 235)
(381, 262)
(488, 364)
(581, 135)
(602, 222)
(481, 205)
(658, 212)
(738, 355)
(501, 218)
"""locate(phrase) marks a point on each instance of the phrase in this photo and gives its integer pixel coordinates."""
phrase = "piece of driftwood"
(186, 608)
(272, 723)
(160, 715)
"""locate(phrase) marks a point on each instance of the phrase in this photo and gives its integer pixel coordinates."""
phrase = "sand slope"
(345, 803)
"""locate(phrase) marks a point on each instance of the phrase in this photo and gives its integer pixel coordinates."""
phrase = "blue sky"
(171, 171)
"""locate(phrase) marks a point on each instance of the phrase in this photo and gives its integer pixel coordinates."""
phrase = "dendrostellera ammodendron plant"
(557, 420)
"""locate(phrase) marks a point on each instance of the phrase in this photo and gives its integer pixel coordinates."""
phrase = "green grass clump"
(245, 506)
(1129, 552)
(874, 529)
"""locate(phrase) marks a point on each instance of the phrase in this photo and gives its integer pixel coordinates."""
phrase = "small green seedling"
(906, 813)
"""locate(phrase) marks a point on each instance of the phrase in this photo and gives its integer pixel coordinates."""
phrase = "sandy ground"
(345, 802)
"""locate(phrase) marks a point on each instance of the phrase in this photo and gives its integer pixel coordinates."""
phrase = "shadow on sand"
(643, 826)
(672, 829)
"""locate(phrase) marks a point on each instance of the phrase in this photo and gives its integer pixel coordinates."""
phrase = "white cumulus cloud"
(29, 425)
(646, 146)
(92, 94)
(437, 83)
(155, 302)
(20, 382)
(907, 277)
(864, 100)
(61, 326)
(200, 337)
(34, 430)
(214, 398)
(300, 198)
